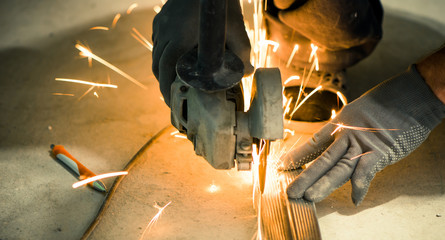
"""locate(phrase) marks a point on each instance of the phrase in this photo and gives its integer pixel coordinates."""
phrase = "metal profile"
(284, 218)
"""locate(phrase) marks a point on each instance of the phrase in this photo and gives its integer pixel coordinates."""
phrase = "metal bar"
(284, 218)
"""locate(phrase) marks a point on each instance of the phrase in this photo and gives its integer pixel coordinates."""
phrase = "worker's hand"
(378, 129)
(333, 25)
(175, 32)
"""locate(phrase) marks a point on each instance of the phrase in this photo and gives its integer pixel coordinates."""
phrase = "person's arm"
(432, 69)
(378, 129)
(175, 32)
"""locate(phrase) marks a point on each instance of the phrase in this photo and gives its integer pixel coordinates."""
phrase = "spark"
(317, 67)
(86, 92)
(154, 219)
(180, 136)
(138, 36)
(255, 164)
(157, 8)
(284, 99)
(115, 19)
(306, 80)
(306, 98)
(333, 114)
(100, 28)
(63, 94)
(287, 109)
(213, 188)
(131, 7)
(98, 177)
(241, 2)
(313, 52)
(174, 133)
(259, 233)
(95, 94)
(255, 30)
(296, 47)
(263, 56)
(342, 98)
(341, 126)
(90, 60)
(314, 58)
(260, 58)
(313, 55)
(278, 151)
(86, 82)
(292, 132)
(247, 91)
(270, 42)
(291, 78)
(88, 53)
(361, 155)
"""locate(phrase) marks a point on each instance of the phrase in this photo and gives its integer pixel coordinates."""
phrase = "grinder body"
(220, 131)
(206, 97)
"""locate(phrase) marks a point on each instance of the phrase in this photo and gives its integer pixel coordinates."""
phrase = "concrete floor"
(406, 200)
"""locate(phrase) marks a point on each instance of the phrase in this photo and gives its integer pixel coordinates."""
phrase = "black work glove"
(394, 118)
(175, 32)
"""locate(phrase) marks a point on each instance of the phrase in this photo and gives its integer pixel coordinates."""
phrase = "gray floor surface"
(406, 200)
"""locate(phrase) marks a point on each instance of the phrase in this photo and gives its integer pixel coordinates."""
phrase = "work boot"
(314, 66)
(314, 97)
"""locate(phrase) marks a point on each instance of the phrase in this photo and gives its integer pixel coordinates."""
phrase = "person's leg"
(345, 31)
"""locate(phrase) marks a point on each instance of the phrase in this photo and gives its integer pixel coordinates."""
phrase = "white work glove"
(393, 119)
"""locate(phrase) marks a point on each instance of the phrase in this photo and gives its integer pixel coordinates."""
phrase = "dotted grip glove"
(376, 130)
(175, 32)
